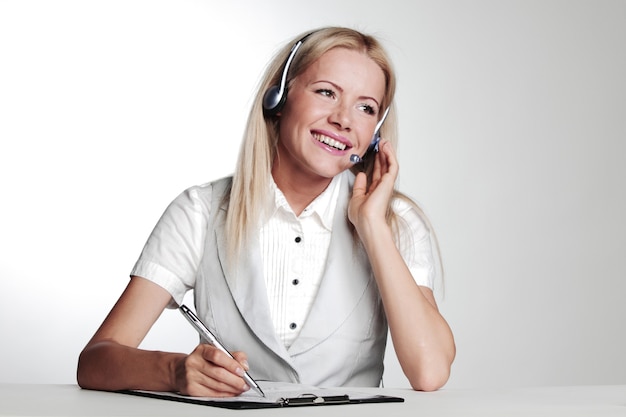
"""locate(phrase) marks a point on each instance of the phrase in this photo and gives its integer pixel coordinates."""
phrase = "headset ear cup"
(275, 97)
(273, 100)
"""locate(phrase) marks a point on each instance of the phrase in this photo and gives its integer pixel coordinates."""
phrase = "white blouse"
(293, 249)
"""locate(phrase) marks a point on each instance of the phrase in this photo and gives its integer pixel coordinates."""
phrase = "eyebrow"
(338, 87)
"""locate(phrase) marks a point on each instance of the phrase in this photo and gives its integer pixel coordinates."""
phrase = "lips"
(330, 142)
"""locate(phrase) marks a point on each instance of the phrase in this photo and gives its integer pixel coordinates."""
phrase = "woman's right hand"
(112, 360)
(209, 372)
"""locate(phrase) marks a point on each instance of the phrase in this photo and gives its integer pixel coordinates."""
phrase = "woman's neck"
(298, 187)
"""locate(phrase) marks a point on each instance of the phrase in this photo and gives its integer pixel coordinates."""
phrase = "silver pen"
(206, 333)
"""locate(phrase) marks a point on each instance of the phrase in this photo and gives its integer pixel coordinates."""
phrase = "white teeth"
(330, 142)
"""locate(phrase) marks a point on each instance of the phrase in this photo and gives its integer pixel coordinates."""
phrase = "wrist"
(175, 364)
(374, 232)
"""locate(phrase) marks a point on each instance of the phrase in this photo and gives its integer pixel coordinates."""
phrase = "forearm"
(422, 338)
(107, 365)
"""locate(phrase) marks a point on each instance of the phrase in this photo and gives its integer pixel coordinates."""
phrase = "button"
(293, 326)
(295, 281)
(298, 239)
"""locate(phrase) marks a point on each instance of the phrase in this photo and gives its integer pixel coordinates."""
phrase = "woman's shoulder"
(199, 197)
(402, 204)
(412, 215)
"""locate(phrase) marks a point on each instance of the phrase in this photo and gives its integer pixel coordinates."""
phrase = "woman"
(297, 264)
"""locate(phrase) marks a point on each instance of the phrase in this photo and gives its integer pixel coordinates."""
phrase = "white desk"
(69, 400)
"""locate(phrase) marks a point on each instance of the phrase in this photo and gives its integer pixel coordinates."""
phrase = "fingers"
(360, 185)
(209, 372)
(359, 191)
(388, 164)
(376, 173)
(372, 202)
(242, 358)
(390, 161)
(385, 166)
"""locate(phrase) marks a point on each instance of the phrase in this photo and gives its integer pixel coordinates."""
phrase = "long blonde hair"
(250, 186)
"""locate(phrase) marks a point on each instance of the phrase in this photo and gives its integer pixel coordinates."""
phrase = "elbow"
(430, 380)
(428, 383)
(82, 376)
(431, 376)
(86, 372)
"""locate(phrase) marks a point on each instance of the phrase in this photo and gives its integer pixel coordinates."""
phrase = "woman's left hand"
(422, 339)
(368, 206)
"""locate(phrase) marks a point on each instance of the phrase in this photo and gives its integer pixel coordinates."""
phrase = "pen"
(206, 333)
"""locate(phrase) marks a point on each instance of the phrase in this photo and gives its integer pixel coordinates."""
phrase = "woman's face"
(331, 112)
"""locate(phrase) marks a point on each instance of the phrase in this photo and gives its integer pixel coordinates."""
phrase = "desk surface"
(70, 400)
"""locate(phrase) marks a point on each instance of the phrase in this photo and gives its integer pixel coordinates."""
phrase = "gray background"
(512, 118)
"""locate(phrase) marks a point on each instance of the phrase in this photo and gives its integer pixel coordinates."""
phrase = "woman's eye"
(367, 109)
(326, 92)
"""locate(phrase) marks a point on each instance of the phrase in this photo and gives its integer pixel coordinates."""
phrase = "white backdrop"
(513, 138)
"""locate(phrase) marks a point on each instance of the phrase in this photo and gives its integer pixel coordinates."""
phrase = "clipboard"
(290, 395)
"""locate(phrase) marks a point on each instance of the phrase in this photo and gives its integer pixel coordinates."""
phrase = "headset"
(275, 97)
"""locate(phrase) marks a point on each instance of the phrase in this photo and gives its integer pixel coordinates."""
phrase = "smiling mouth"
(330, 142)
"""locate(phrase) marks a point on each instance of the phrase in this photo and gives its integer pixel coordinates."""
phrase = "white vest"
(341, 343)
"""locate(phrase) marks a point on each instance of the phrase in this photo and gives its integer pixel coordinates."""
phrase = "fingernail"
(239, 372)
(246, 387)
(245, 365)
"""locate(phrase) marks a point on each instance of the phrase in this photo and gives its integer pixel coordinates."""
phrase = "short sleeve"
(172, 253)
(416, 243)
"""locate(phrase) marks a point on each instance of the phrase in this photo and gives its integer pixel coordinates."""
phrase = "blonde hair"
(249, 192)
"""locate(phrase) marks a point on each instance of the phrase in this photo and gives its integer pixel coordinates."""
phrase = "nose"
(340, 117)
